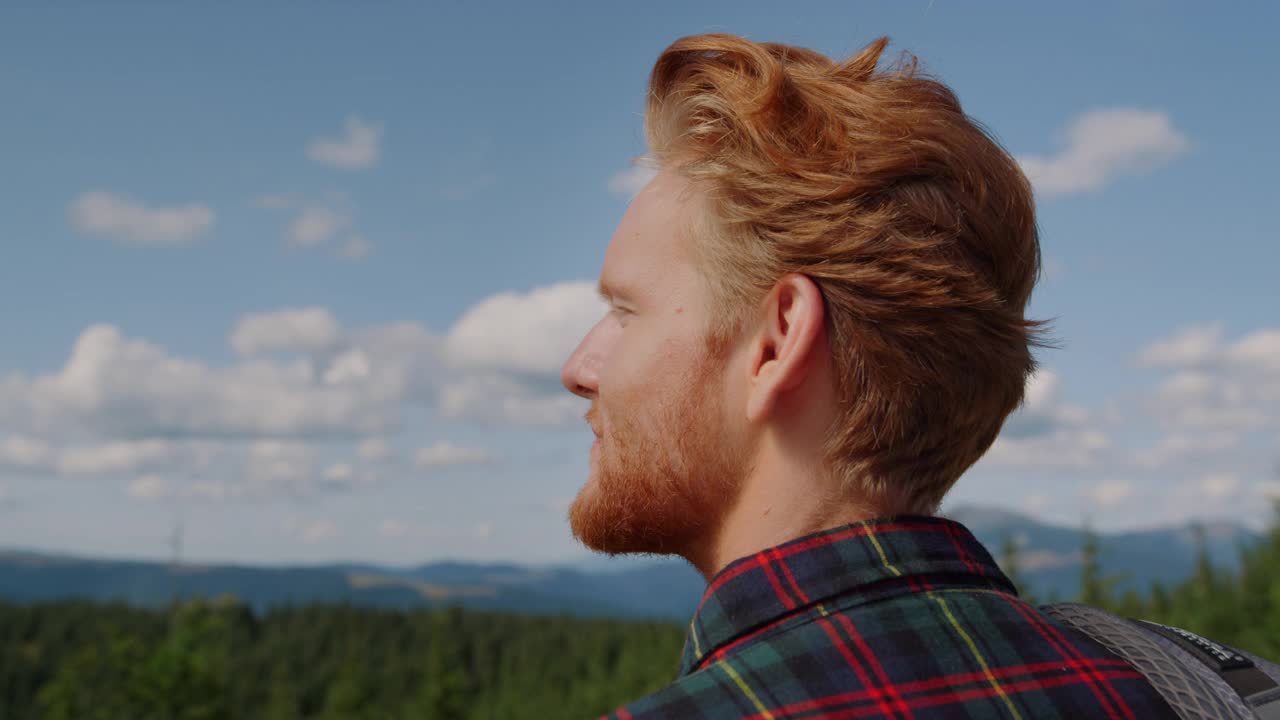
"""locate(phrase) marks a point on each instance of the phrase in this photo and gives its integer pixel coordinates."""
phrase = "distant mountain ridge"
(1050, 555)
(623, 587)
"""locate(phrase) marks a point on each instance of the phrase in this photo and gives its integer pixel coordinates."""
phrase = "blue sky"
(301, 276)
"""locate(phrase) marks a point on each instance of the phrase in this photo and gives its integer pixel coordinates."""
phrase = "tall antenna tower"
(175, 544)
(175, 568)
(175, 562)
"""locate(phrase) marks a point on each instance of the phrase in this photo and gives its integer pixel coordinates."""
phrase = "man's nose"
(579, 374)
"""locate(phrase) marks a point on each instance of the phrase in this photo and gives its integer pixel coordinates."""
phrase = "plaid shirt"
(901, 618)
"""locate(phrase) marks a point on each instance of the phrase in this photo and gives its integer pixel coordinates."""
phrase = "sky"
(299, 278)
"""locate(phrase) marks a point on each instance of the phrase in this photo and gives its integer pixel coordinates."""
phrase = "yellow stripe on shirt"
(764, 712)
(973, 648)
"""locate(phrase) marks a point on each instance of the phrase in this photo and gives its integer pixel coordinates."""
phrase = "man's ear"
(790, 333)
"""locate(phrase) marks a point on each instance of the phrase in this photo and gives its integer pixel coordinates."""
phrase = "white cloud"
(311, 531)
(130, 223)
(373, 449)
(215, 490)
(344, 475)
(532, 332)
(1191, 347)
(357, 149)
(1215, 492)
(280, 462)
(1103, 144)
(318, 219)
(1110, 493)
(1209, 402)
(404, 360)
(399, 529)
(25, 452)
(311, 329)
(348, 367)
(339, 473)
(116, 386)
(633, 179)
(1258, 352)
(199, 470)
(1218, 485)
(1045, 432)
(1036, 502)
(316, 225)
(394, 528)
(274, 468)
(122, 456)
(444, 453)
(502, 398)
(1216, 387)
(149, 487)
(1202, 416)
(1063, 448)
(1211, 419)
(1188, 385)
(113, 457)
(355, 247)
(337, 382)
(1042, 412)
(1041, 391)
(1181, 448)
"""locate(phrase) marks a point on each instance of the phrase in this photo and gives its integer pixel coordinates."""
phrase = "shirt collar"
(851, 564)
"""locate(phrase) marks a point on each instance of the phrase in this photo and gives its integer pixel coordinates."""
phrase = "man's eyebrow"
(609, 292)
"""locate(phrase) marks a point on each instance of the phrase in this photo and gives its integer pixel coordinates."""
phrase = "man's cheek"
(627, 382)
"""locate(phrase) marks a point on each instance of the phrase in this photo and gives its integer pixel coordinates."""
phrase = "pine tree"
(1010, 563)
(1095, 588)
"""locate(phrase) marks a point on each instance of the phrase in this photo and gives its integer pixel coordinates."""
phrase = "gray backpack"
(1199, 678)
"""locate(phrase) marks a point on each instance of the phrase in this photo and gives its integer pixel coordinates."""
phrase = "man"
(816, 325)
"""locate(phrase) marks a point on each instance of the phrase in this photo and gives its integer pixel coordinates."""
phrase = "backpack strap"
(1250, 682)
(1198, 678)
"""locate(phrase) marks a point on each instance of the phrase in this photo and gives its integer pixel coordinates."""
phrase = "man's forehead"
(647, 242)
(625, 277)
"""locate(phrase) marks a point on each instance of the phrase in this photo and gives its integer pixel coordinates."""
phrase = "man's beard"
(662, 486)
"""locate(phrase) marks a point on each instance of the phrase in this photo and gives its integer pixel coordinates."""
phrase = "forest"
(215, 659)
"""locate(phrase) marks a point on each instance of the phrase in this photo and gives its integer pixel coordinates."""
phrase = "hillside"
(623, 587)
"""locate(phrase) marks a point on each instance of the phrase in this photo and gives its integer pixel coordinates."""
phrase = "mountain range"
(1049, 561)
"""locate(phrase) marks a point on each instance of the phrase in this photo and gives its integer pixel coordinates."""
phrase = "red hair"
(917, 227)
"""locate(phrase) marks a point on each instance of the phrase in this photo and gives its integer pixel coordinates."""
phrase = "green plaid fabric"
(905, 617)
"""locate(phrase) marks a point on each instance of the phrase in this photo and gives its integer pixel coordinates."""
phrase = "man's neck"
(780, 501)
